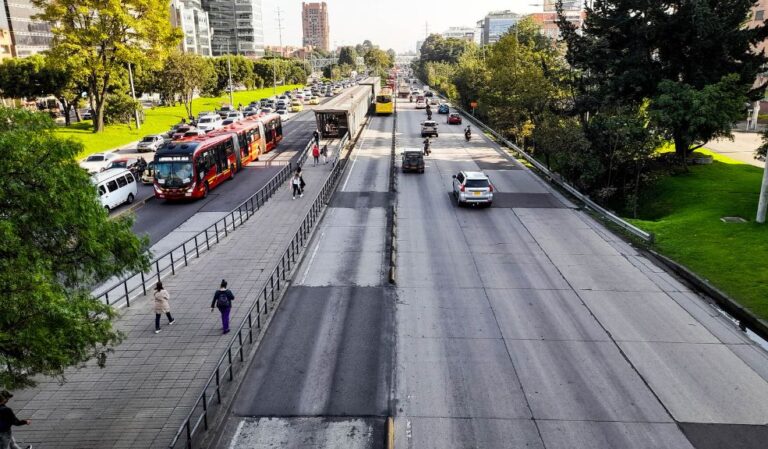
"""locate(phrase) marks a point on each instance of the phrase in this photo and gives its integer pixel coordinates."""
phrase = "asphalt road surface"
(522, 325)
(323, 371)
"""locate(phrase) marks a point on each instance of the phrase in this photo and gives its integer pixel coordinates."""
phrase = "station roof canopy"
(346, 101)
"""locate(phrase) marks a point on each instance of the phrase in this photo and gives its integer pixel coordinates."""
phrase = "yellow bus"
(384, 102)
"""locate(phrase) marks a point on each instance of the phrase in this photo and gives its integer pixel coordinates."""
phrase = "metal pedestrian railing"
(255, 318)
(135, 284)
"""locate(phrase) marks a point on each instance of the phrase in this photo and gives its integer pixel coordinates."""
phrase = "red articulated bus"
(255, 136)
(188, 169)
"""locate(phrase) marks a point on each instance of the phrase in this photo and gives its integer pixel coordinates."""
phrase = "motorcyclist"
(468, 133)
(427, 144)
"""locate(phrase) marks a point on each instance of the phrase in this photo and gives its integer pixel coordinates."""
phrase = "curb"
(745, 318)
(133, 208)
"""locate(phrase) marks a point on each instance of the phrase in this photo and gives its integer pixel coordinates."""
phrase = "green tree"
(102, 37)
(378, 60)
(48, 319)
(672, 53)
(348, 56)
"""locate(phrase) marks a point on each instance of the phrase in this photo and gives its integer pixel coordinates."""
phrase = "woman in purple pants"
(222, 300)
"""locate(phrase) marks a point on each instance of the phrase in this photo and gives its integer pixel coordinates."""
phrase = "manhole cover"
(732, 220)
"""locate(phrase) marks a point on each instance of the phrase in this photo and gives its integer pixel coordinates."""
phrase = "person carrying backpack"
(222, 300)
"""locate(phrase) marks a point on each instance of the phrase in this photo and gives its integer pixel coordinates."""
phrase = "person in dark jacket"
(222, 300)
(7, 420)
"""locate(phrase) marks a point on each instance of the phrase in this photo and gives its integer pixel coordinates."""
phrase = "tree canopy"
(102, 37)
(678, 54)
(348, 56)
(48, 255)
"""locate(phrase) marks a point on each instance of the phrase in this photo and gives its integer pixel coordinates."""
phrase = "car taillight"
(490, 188)
(461, 188)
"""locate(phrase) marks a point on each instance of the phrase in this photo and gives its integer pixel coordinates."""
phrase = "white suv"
(209, 123)
(472, 187)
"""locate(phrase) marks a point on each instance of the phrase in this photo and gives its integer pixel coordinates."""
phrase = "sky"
(396, 24)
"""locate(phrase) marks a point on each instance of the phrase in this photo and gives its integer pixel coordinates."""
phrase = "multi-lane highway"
(526, 324)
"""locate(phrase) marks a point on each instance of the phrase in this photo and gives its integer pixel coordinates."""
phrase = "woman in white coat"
(161, 306)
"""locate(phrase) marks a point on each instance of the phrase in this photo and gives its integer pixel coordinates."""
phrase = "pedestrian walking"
(162, 306)
(315, 155)
(316, 136)
(324, 152)
(222, 300)
(7, 420)
(296, 185)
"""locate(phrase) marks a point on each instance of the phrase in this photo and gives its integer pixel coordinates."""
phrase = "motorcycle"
(467, 134)
(427, 149)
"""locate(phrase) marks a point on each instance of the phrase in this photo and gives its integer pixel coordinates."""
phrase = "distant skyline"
(396, 24)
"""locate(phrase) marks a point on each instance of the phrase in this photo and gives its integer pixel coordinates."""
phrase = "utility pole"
(762, 205)
(282, 52)
(133, 94)
(229, 69)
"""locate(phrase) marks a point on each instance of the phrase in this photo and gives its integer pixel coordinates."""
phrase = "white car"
(209, 123)
(235, 115)
(472, 187)
(97, 161)
(150, 143)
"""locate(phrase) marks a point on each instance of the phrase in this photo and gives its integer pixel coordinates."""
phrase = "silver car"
(150, 143)
(472, 187)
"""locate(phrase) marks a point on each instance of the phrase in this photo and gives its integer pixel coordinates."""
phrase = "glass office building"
(236, 27)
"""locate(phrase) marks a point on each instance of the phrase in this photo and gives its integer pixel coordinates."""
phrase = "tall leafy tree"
(348, 56)
(377, 60)
(103, 36)
(678, 54)
(185, 74)
(48, 255)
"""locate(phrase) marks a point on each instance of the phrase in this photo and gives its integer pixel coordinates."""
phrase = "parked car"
(192, 134)
(413, 160)
(454, 118)
(428, 128)
(97, 161)
(209, 123)
(135, 165)
(115, 187)
(472, 187)
(443, 109)
(180, 131)
(150, 143)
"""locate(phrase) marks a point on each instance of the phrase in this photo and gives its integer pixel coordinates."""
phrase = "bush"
(119, 108)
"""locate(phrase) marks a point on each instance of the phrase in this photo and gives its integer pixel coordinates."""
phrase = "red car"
(454, 119)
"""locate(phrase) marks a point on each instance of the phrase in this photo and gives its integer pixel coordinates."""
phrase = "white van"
(115, 187)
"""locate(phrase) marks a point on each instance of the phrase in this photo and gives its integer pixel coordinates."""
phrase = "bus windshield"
(173, 173)
(384, 99)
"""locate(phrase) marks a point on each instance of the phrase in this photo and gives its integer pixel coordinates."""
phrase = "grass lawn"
(157, 120)
(684, 212)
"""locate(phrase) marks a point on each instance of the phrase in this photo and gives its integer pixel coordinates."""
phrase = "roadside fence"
(234, 356)
(135, 284)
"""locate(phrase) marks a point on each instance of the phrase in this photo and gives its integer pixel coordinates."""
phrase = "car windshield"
(148, 139)
(183, 129)
(205, 120)
(477, 183)
(117, 164)
(173, 174)
(95, 158)
(190, 133)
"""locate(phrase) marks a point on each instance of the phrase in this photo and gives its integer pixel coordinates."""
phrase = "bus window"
(229, 149)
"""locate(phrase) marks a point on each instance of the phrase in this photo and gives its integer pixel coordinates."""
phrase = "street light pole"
(133, 94)
(229, 69)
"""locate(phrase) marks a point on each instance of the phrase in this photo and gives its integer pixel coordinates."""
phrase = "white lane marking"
(312, 259)
(237, 434)
(352, 167)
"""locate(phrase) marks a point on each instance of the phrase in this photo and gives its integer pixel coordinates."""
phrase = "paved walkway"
(741, 148)
(151, 380)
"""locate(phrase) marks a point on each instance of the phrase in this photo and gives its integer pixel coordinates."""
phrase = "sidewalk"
(741, 148)
(141, 397)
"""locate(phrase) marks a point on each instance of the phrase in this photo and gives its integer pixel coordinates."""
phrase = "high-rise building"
(495, 24)
(27, 35)
(236, 26)
(189, 16)
(314, 22)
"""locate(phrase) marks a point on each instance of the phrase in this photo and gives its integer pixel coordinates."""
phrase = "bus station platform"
(151, 381)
